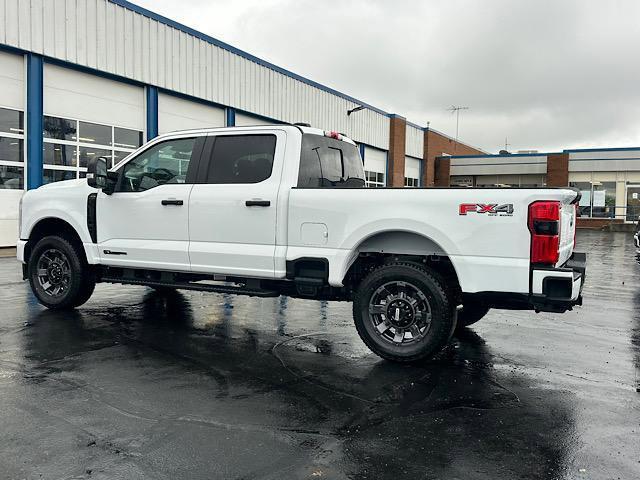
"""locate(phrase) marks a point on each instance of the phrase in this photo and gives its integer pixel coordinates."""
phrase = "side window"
(166, 162)
(241, 159)
(329, 163)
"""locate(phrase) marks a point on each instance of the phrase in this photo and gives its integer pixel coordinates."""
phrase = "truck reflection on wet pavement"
(191, 385)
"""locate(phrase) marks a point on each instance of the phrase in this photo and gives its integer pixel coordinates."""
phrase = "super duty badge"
(491, 209)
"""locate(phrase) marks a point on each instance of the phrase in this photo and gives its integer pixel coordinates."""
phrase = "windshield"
(329, 163)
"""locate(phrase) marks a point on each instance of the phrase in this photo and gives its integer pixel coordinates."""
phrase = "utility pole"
(456, 109)
(506, 144)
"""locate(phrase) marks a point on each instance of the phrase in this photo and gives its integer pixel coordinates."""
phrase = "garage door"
(176, 113)
(412, 171)
(87, 116)
(244, 120)
(12, 158)
(375, 167)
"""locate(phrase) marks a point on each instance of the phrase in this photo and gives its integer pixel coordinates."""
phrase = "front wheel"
(59, 274)
(403, 313)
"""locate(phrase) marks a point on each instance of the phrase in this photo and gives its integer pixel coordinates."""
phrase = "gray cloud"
(547, 74)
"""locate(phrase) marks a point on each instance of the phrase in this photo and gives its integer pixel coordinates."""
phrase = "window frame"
(206, 160)
(192, 169)
(77, 145)
(22, 163)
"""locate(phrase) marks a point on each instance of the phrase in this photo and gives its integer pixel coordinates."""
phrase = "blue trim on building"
(35, 114)
(507, 156)
(619, 149)
(152, 112)
(415, 125)
(230, 117)
(236, 51)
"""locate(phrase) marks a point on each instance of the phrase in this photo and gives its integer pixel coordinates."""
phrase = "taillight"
(332, 134)
(544, 225)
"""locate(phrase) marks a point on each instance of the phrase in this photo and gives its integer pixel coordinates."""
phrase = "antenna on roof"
(456, 109)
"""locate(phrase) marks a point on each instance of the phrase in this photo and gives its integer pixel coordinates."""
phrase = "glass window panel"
(58, 154)
(50, 176)
(165, 162)
(119, 156)
(94, 133)
(59, 128)
(242, 159)
(87, 153)
(11, 177)
(125, 138)
(11, 149)
(604, 199)
(11, 121)
(584, 207)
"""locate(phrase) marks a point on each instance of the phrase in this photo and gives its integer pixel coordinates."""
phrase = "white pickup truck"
(281, 210)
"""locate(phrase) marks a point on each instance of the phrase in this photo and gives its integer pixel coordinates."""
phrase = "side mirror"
(98, 175)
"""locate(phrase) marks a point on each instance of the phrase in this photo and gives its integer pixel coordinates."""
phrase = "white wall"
(12, 95)
(176, 113)
(414, 142)
(11, 80)
(72, 94)
(243, 120)
(499, 165)
(605, 161)
(375, 160)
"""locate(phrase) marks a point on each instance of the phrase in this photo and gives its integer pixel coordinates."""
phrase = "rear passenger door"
(233, 206)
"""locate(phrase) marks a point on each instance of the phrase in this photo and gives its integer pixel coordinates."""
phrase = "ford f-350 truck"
(281, 210)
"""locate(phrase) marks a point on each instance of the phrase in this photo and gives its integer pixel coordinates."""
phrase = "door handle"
(172, 202)
(258, 203)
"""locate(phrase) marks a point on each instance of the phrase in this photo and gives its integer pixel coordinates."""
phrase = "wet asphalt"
(202, 386)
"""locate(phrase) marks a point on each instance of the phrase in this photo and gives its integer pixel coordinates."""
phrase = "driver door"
(145, 222)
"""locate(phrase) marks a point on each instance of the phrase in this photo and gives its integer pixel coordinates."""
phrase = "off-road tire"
(432, 287)
(471, 313)
(81, 277)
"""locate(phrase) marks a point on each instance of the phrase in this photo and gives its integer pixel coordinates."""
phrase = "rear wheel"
(471, 313)
(59, 274)
(403, 313)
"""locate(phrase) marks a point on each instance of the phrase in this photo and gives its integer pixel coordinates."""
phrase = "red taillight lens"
(332, 134)
(544, 225)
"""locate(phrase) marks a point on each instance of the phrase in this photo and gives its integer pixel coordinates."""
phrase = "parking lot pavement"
(137, 385)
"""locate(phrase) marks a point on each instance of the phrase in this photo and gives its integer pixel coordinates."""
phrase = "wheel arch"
(52, 226)
(380, 246)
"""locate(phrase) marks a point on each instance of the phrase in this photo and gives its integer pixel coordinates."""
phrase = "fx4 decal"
(491, 209)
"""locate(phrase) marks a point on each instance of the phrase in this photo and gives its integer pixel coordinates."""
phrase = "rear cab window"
(329, 163)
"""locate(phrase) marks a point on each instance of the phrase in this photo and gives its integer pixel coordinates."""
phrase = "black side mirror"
(98, 175)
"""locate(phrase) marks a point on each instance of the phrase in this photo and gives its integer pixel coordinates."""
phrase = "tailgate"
(567, 229)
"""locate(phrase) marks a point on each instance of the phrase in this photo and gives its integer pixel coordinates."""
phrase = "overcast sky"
(547, 74)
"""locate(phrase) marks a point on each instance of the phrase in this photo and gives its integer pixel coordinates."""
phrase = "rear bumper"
(559, 289)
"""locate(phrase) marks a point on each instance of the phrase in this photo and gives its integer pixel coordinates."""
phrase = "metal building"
(97, 77)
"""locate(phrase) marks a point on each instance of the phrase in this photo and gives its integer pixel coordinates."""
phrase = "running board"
(252, 292)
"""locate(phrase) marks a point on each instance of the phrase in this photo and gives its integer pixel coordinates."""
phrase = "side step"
(252, 292)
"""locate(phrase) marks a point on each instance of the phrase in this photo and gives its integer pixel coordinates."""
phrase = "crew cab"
(281, 210)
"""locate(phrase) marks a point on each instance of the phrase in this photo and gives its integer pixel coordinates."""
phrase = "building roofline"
(458, 141)
(497, 155)
(615, 149)
(230, 48)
